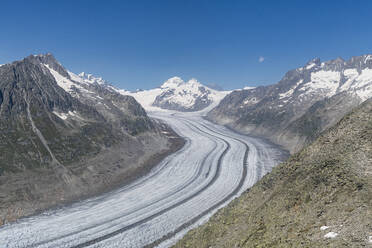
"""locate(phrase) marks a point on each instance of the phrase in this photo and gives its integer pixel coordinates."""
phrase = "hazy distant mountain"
(179, 95)
(176, 94)
(64, 135)
(305, 102)
(214, 86)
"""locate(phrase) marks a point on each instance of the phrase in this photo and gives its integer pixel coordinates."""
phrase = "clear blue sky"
(139, 44)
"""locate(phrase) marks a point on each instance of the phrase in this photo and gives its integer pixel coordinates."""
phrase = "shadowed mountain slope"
(63, 137)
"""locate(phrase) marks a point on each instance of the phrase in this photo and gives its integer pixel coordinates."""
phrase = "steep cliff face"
(75, 119)
(288, 111)
(320, 197)
(63, 137)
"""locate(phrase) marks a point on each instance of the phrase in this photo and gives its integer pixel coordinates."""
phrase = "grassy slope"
(327, 183)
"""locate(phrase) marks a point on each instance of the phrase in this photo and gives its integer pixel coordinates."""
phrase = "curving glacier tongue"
(214, 166)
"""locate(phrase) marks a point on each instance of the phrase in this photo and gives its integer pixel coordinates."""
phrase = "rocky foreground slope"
(64, 136)
(304, 103)
(320, 197)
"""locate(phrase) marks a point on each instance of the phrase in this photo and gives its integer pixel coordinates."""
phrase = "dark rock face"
(122, 111)
(324, 189)
(28, 84)
(281, 112)
(60, 142)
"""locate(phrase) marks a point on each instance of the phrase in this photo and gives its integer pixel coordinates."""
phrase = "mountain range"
(178, 95)
(291, 113)
(305, 102)
(65, 136)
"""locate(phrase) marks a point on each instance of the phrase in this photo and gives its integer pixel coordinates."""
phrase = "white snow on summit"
(327, 81)
(69, 85)
(176, 91)
(91, 79)
(188, 95)
(86, 78)
(330, 82)
(173, 82)
(62, 81)
(184, 93)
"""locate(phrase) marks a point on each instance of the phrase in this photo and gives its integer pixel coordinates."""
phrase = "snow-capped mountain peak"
(177, 94)
(172, 82)
(307, 99)
(316, 81)
(175, 82)
(89, 78)
(191, 95)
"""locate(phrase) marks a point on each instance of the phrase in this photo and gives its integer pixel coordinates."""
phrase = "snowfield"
(213, 167)
(178, 94)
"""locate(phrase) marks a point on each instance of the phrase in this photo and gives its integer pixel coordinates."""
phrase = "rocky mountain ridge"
(287, 112)
(65, 136)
